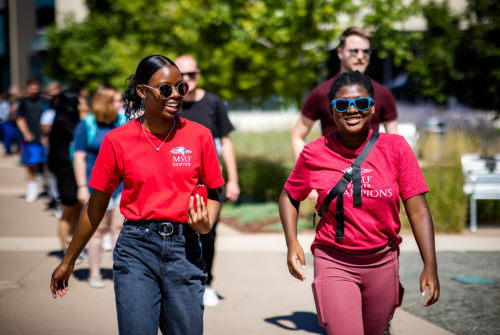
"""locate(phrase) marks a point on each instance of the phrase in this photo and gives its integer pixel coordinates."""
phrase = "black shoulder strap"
(353, 173)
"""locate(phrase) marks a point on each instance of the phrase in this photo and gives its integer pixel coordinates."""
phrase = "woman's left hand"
(430, 278)
(198, 220)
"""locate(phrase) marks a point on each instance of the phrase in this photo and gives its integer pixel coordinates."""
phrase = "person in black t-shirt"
(28, 121)
(208, 110)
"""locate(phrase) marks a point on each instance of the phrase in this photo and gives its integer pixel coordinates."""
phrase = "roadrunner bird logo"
(180, 151)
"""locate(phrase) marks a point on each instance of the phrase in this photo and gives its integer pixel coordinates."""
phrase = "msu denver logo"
(181, 160)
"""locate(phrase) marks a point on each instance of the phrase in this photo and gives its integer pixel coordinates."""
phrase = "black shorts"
(66, 183)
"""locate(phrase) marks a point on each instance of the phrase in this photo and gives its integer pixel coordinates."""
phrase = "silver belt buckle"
(166, 226)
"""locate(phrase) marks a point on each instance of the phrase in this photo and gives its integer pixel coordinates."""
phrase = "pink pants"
(356, 293)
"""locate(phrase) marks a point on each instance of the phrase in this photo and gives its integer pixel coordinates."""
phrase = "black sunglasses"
(166, 90)
(192, 75)
(366, 52)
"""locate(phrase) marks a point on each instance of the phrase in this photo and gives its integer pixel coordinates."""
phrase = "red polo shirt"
(390, 172)
(317, 106)
(157, 185)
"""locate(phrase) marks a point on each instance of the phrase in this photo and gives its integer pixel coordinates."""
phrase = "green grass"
(273, 146)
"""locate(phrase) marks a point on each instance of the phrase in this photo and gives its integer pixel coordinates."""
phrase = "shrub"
(446, 200)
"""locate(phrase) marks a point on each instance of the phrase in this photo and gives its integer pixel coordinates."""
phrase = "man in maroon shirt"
(354, 54)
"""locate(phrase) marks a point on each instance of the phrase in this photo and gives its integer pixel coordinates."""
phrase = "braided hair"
(146, 68)
(349, 79)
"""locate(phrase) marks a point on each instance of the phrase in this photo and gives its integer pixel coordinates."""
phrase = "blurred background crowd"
(63, 60)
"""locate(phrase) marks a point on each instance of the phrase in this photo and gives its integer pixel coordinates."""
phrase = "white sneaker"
(32, 191)
(96, 281)
(107, 245)
(58, 212)
(210, 298)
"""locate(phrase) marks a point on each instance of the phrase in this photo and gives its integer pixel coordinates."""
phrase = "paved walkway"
(259, 296)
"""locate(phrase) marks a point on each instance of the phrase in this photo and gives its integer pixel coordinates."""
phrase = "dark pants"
(208, 247)
(158, 282)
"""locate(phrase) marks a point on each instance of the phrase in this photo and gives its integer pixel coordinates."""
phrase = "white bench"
(482, 181)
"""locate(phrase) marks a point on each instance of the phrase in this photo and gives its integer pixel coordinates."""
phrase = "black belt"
(164, 228)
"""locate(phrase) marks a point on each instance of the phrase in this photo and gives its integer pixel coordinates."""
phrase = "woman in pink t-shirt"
(356, 276)
(158, 269)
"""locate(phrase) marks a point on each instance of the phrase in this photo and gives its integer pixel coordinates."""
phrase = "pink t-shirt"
(157, 185)
(390, 171)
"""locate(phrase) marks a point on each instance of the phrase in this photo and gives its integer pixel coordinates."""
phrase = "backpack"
(91, 127)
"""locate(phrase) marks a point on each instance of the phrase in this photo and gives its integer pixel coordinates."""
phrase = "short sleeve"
(298, 184)
(225, 126)
(311, 107)
(210, 174)
(21, 109)
(105, 175)
(410, 177)
(80, 137)
(389, 110)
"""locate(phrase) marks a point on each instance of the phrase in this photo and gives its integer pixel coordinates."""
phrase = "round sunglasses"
(166, 90)
(342, 105)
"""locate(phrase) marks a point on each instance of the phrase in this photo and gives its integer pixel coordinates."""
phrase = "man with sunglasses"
(208, 110)
(354, 54)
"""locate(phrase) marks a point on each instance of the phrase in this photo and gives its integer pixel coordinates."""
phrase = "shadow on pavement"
(83, 274)
(59, 254)
(302, 320)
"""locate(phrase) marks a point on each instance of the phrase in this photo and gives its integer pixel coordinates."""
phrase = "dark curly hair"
(348, 79)
(146, 68)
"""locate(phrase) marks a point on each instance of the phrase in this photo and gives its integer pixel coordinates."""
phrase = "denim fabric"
(159, 282)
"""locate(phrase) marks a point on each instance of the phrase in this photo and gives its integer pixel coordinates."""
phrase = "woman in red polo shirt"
(158, 269)
(356, 276)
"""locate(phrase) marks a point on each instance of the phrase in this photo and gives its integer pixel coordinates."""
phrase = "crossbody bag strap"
(353, 173)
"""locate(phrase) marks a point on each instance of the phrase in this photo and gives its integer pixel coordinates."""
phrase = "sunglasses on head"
(166, 90)
(342, 105)
(192, 75)
(354, 52)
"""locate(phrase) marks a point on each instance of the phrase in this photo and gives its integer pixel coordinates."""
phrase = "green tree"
(459, 55)
(246, 48)
(478, 56)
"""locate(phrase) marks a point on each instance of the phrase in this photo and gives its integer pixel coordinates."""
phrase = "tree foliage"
(245, 48)
(460, 54)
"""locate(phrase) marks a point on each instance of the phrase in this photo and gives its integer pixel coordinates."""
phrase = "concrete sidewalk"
(259, 295)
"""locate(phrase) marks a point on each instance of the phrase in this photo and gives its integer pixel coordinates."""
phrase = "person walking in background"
(208, 110)
(354, 54)
(46, 120)
(356, 267)
(28, 121)
(158, 268)
(10, 132)
(71, 108)
(88, 138)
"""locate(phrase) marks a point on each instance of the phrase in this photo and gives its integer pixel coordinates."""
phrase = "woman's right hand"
(295, 253)
(83, 194)
(59, 280)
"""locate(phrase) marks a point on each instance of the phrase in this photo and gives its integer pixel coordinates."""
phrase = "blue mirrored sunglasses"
(342, 105)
